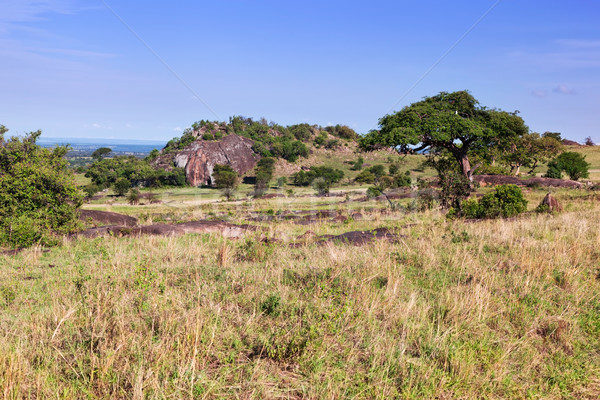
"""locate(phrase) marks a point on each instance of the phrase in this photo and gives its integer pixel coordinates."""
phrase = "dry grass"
(495, 309)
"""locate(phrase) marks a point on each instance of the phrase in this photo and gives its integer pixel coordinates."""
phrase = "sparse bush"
(134, 196)
(281, 182)
(321, 185)
(358, 164)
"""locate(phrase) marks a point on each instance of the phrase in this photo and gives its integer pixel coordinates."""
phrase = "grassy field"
(453, 309)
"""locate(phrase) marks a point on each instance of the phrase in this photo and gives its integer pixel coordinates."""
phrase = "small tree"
(121, 186)
(101, 152)
(589, 141)
(225, 179)
(572, 163)
(264, 174)
(321, 185)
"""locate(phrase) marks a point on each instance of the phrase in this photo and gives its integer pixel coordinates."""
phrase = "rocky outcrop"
(551, 203)
(200, 157)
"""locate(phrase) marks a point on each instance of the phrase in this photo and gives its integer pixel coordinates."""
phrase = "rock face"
(552, 203)
(199, 158)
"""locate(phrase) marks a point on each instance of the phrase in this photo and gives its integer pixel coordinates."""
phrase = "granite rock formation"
(200, 157)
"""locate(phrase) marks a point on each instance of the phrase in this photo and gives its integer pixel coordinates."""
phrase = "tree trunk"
(518, 170)
(465, 165)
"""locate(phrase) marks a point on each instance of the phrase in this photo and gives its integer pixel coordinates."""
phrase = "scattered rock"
(107, 218)
(355, 238)
(224, 228)
(506, 179)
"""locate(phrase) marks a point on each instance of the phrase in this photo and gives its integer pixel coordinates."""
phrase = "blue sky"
(73, 68)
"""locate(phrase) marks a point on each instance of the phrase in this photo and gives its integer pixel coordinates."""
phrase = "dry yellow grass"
(493, 309)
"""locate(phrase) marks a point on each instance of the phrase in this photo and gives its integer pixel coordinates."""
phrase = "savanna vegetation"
(367, 274)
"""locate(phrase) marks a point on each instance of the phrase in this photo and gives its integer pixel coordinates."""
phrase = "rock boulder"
(200, 157)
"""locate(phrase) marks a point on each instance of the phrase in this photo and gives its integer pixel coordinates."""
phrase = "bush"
(90, 190)
(506, 201)
(358, 164)
(365, 176)
(226, 179)
(572, 163)
(554, 171)
(321, 185)
(38, 195)
(121, 186)
(134, 196)
(305, 178)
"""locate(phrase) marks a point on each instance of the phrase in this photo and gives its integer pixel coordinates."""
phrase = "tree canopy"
(453, 122)
(38, 195)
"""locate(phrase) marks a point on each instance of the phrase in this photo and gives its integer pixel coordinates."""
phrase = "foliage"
(505, 201)
(358, 164)
(454, 186)
(105, 173)
(226, 179)
(305, 178)
(554, 171)
(134, 196)
(38, 195)
(554, 135)
(264, 174)
(366, 176)
(528, 150)
(342, 131)
(91, 189)
(572, 163)
(99, 154)
(281, 182)
(451, 121)
(121, 186)
(589, 141)
(321, 185)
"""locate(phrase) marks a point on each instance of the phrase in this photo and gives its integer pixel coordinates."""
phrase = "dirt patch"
(505, 179)
(107, 218)
(224, 228)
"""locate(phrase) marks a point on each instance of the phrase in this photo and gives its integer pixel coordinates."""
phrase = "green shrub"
(505, 201)
(365, 176)
(358, 164)
(121, 186)
(305, 178)
(573, 164)
(321, 185)
(38, 195)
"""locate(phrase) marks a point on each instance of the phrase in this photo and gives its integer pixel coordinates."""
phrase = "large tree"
(454, 122)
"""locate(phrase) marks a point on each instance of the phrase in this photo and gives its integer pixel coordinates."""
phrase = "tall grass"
(495, 309)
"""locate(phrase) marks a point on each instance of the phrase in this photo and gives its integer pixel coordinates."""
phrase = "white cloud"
(177, 129)
(539, 93)
(564, 89)
(97, 126)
